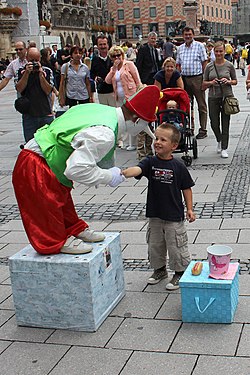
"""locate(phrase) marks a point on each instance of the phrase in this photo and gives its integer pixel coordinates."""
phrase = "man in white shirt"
(191, 61)
(15, 65)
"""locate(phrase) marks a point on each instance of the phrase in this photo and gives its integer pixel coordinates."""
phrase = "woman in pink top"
(125, 79)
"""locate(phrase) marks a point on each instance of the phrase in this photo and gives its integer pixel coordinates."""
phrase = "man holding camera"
(35, 83)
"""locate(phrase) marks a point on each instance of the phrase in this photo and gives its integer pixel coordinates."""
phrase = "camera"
(36, 66)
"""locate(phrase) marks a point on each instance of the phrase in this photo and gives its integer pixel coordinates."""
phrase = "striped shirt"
(191, 58)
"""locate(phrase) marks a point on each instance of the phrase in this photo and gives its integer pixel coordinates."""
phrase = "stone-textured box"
(75, 292)
(206, 300)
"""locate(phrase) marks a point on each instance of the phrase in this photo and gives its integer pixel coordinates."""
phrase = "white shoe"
(218, 149)
(224, 154)
(90, 236)
(75, 246)
(131, 148)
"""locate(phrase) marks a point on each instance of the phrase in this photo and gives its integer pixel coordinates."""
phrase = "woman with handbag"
(75, 80)
(219, 77)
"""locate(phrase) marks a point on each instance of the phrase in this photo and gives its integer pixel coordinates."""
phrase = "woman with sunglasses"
(168, 76)
(125, 79)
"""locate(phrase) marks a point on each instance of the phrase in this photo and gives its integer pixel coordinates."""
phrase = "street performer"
(67, 150)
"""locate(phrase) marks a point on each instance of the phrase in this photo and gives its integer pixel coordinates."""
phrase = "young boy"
(168, 179)
(173, 117)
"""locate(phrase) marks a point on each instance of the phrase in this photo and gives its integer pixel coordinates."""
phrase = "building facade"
(135, 18)
(241, 20)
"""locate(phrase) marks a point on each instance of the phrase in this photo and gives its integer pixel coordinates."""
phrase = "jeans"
(219, 121)
(32, 124)
(73, 102)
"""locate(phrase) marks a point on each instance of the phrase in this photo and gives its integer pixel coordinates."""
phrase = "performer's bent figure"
(68, 150)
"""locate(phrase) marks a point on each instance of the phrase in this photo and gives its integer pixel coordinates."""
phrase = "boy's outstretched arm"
(132, 172)
(188, 197)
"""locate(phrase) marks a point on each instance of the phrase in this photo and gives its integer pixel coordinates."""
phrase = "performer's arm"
(91, 145)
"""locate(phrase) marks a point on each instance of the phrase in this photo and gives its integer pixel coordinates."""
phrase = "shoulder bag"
(230, 103)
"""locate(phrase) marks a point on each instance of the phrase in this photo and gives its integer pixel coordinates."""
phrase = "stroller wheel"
(187, 160)
(194, 147)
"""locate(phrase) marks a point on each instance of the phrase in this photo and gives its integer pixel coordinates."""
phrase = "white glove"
(117, 177)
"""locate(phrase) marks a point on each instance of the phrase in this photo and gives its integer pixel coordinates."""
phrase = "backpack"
(244, 53)
(228, 49)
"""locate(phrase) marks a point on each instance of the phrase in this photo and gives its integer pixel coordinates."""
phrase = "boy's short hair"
(176, 135)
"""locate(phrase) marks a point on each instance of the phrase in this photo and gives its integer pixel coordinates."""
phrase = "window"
(229, 15)
(136, 1)
(153, 27)
(136, 12)
(119, 1)
(212, 12)
(216, 12)
(170, 28)
(121, 31)
(220, 13)
(203, 10)
(120, 13)
(152, 12)
(225, 14)
(169, 10)
(207, 11)
(137, 31)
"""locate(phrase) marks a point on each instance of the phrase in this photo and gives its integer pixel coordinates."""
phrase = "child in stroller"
(174, 107)
(173, 117)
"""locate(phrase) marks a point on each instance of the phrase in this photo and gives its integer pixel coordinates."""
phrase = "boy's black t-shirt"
(166, 180)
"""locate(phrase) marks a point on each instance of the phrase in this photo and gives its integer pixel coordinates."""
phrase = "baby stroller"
(188, 141)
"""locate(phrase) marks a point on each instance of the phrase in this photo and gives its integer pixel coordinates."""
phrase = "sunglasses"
(115, 56)
(19, 49)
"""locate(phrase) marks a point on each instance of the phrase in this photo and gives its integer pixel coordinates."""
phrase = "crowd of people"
(127, 81)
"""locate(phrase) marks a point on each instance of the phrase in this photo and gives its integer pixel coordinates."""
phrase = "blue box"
(65, 291)
(206, 300)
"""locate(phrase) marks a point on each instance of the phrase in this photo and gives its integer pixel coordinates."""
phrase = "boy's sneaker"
(157, 276)
(174, 283)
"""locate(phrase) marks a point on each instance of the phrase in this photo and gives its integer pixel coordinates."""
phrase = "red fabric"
(46, 206)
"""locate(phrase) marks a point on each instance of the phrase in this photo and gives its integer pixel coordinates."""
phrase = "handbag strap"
(219, 78)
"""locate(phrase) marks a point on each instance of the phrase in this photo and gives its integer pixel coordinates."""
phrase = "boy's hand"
(190, 215)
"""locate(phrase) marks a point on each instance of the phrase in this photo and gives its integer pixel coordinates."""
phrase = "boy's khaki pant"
(168, 236)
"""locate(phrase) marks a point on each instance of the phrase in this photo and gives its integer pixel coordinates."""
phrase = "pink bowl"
(219, 259)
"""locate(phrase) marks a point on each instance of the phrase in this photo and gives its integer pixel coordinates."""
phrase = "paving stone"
(222, 365)
(125, 226)
(94, 361)
(99, 338)
(10, 331)
(244, 345)
(217, 236)
(145, 334)
(4, 272)
(133, 238)
(137, 305)
(5, 292)
(244, 236)
(29, 359)
(141, 363)
(171, 309)
(242, 313)
(5, 316)
(4, 345)
(244, 285)
(15, 237)
(8, 304)
(214, 339)
(135, 252)
(205, 224)
(136, 281)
